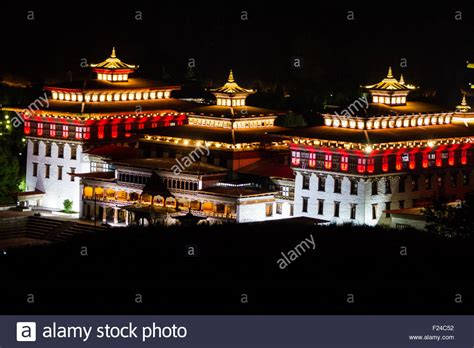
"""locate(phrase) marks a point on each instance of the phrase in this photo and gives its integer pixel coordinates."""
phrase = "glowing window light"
(312, 159)
(116, 96)
(375, 99)
(100, 132)
(377, 124)
(399, 100)
(102, 97)
(387, 100)
(384, 124)
(385, 163)
(61, 96)
(464, 157)
(371, 165)
(65, 131)
(109, 77)
(242, 102)
(131, 95)
(394, 100)
(219, 101)
(295, 158)
(78, 132)
(228, 102)
(361, 162)
(404, 100)
(80, 98)
(167, 94)
(360, 124)
(328, 122)
(100, 77)
(440, 119)
(427, 121)
(152, 95)
(27, 127)
(67, 96)
(451, 158)
(344, 163)
(55, 95)
(413, 122)
(369, 124)
(125, 77)
(447, 119)
(109, 97)
(87, 132)
(406, 123)
(328, 161)
(336, 123)
(398, 123)
(114, 131)
(439, 160)
(120, 77)
(434, 120)
(159, 95)
(424, 161)
(398, 162)
(39, 129)
(344, 123)
(391, 123)
(114, 77)
(73, 97)
(138, 95)
(419, 121)
(352, 124)
(124, 96)
(52, 130)
(412, 162)
(145, 95)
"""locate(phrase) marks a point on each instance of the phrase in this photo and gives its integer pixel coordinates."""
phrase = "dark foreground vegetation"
(236, 271)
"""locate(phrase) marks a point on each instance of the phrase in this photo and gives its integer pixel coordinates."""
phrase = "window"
(465, 178)
(428, 182)
(388, 206)
(39, 130)
(320, 206)
(321, 183)
(337, 206)
(401, 184)
(279, 208)
(327, 161)
(305, 205)
(451, 158)
(47, 150)
(65, 131)
(388, 186)
(353, 211)
(60, 172)
(35, 148)
(385, 163)
(269, 209)
(73, 170)
(361, 165)
(285, 191)
(440, 181)
(52, 130)
(73, 152)
(312, 160)
(47, 170)
(337, 185)
(60, 151)
(354, 187)
(35, 169)
(374, 211)
(464, 157)
(344, 163)
(375, 188)
(306, 179)
(371, 165)
(454, 179)
(401, 204)
(414, 183)
(292, 209)
(100, 132)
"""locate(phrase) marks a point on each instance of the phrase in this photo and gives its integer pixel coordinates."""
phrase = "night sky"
(337, 53)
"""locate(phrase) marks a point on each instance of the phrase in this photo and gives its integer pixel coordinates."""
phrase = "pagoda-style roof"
(231, 87)
(390, 84)
(463, 107)
(114, 63)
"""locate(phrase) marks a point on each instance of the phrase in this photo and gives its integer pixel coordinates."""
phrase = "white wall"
(56, 191)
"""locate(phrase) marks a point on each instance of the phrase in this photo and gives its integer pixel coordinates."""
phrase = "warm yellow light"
(167, 94)
(80, 98)
(130, 96)
(138, 95)
(94, 97)
(61, 96)
(159, 95)
(102, 97)
(55, 95)
(431, 143)
(344, 123)
(73, 97)
(152, 95)
(145, 95)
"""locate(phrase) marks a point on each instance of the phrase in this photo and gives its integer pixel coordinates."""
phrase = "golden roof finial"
(231, 77)
(402, 81)
(113, 53)
(390, 75)
(463, 107)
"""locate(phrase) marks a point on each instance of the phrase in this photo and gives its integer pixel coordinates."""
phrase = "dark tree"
(9, 174)
(451, 220)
